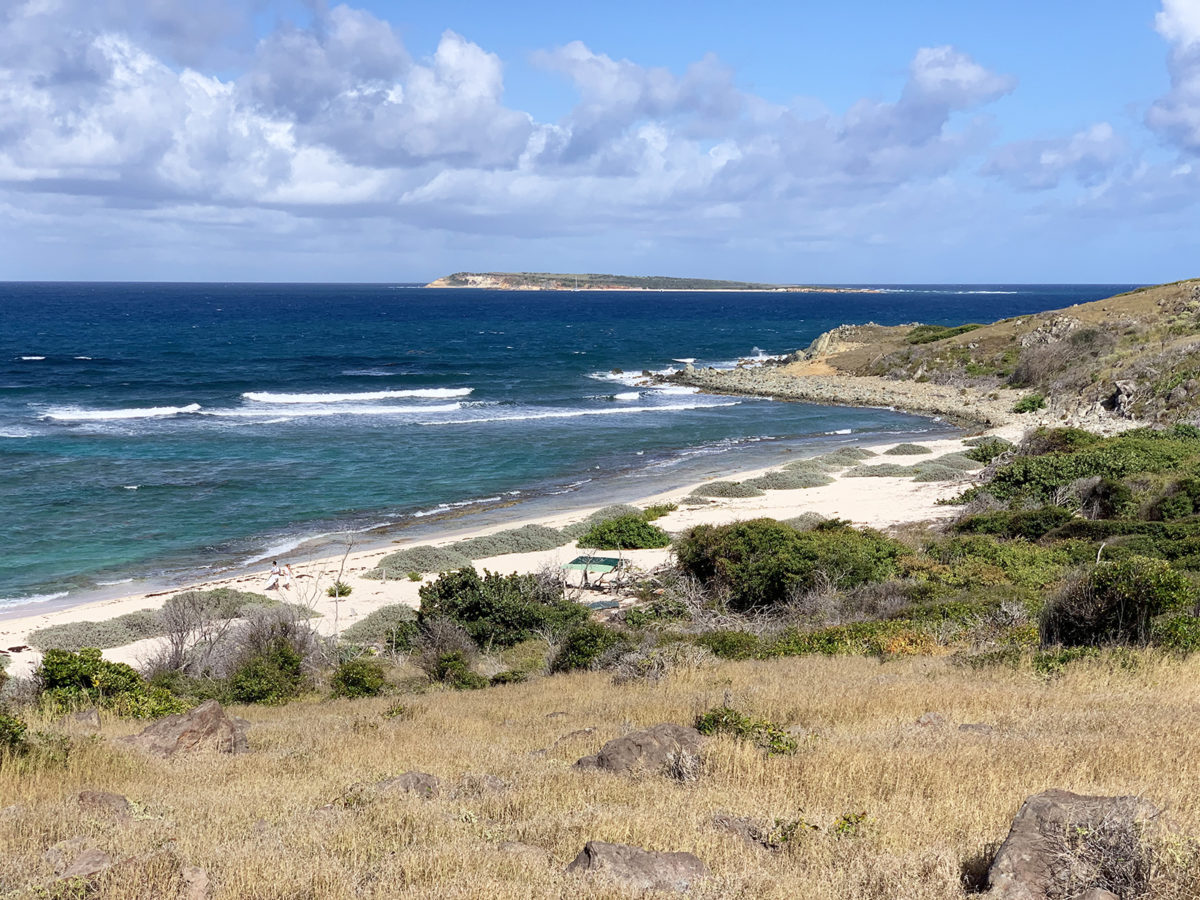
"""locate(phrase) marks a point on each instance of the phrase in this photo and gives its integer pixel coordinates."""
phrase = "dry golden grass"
(935, 798)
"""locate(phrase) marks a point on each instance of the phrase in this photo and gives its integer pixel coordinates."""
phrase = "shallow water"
(163, 430)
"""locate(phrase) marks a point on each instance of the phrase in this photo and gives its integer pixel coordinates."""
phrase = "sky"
(863, 141)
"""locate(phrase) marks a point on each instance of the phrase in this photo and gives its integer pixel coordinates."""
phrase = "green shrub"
(729, 644)
(67, 680)
(882, 470)
(845, 456)
(1179, 634)
(12, 733)
(586, 646)
(658, 510)
(1045, 440)
(761, 561)
(417, 559)
(1017, 561)
(790, 480)
(1030, 403)
(927, 334)
(117, 632)
(579, 529)
(358, 677)
(960, 461)
(509, 676)
(806, 521)
(931, 471)
(625, 533)
(393, 626)
(660, 611)
(500, 610)
(764, 734)
(526, 539)
(339, 589)
(272, 676)
(1115, 602)
(454, 670)
(1029, 524)
(1052, 662)
(984, 451)
(728, 489)
(907, 450)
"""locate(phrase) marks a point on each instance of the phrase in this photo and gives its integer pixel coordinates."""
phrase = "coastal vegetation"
(591, 281)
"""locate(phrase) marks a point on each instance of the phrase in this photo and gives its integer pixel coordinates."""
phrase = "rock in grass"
(88, 864)
(642, 870)
(662, 749)
(105, 801)
(1055, 832)
(423, 785)
(204, 728)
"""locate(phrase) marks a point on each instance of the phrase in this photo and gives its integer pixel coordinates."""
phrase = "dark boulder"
(643, 870)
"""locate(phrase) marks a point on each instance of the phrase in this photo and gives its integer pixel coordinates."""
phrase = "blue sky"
(869, 141)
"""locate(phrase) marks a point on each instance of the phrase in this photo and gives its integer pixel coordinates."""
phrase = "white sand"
(874, 502)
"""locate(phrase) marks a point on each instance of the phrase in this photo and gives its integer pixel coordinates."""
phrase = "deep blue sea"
(157, 431)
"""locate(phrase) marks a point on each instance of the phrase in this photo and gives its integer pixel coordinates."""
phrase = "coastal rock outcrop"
(204, 728)
(1037, 859)
(643, 870)
(662, 749)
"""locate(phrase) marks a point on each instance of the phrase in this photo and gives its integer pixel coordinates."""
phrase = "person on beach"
(276, 574)
(286, 574)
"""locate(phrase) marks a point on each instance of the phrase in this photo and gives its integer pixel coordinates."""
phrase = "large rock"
(664, 748)
(204, 728)
(88, 864)
(1035, 861)
(642, 870)
(105, 801)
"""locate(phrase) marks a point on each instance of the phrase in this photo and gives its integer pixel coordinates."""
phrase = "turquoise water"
(157, 431)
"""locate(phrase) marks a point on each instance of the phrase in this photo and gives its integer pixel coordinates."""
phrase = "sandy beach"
(878, 502)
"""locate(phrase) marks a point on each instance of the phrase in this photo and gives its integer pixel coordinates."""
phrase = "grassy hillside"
(1135, 353)
(873, 806)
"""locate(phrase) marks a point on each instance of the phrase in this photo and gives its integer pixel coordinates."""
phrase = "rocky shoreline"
(962, 405)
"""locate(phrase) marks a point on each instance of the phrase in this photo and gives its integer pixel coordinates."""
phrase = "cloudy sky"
(859, 141)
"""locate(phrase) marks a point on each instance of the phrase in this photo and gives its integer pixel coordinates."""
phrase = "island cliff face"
(549, 281)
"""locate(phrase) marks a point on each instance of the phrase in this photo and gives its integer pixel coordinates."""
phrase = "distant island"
(549, 281)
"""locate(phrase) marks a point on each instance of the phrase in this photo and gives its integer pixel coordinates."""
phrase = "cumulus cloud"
(1088, 156)
(1176, 116)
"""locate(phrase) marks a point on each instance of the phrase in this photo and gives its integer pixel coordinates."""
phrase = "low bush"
(927, 334)
(960, 461)
(587, 646)
(508, 676)
(806, 521)
(727, 489)
(932, 471)
(907, 450)
(848, 455)
(658, 510)
(727, 644)
(631, 532)
(67, 680)
(761, 562)
(454, 670)
(1029, 524)
(499, 610)
(1178, 634)
(12, 733)
(358, 677)
(417, 559)
(579, 529)
(393, 627)
(439, 638)
(790, 480)
(1043, 440)
(764, 734)
(1029, 403)
(987, 449)
(339, 589)
(272, 675)
(882, 470)
(1115, 602)
(526, 539)
(117, 632)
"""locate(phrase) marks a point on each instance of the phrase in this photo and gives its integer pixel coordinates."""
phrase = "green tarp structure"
(601, 564)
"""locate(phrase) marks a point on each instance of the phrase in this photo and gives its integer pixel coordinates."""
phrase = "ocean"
(152, 433)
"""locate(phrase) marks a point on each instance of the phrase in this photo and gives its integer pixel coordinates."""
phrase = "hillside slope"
(1136, 355)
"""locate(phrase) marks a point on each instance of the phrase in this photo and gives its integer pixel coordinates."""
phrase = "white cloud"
(1089, 156)
(1176, 116)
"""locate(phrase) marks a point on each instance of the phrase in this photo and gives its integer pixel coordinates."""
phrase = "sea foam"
(576, 413)
(362, 396)
(74, 414)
